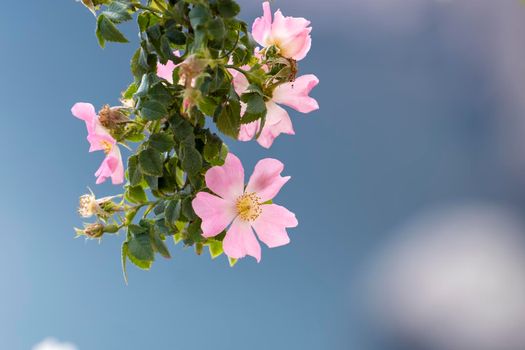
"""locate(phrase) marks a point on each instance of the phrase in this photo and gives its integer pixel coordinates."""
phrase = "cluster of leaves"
(174, 148)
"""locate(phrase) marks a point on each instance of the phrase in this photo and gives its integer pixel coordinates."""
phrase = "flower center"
(248, 206)
(106, 146)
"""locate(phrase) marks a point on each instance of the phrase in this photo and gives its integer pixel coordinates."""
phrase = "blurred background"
(409, 186)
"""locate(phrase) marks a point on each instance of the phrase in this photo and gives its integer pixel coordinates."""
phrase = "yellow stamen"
(106, 146)
(248, 206)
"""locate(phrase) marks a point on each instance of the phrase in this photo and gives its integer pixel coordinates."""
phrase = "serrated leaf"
(229, 119)
(139, 247)
(162, 142)
(151, 162)
(136, 194)
(107, 31)
(199, 15)
(172, 212)
(255, 107)
(153, 110)
(117, 12)
(159, 245)
(134, 173)
(228, 8)
(216, 29)
(191, 160)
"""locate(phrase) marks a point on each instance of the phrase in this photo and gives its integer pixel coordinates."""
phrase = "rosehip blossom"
(292, 94)
(291, 35)
(244, 208)
(89, 205)
(100, 140)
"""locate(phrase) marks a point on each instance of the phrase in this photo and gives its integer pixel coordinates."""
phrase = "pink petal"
(117, 177)
(262, 26)
(295, 94)
(85, 112)
(266, 180)
(240, 241)
(227, 180)
(215, 212)
(272, 223)
(248, 131)
(240, 83)
(302, 47)
(97, 141)
(277, 122)
(165, 71)
(286, 27)
(111, 167)
(291, 35)
(296, 47)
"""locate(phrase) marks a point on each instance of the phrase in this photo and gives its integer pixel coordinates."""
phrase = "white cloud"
(53, 344)
(454, 279)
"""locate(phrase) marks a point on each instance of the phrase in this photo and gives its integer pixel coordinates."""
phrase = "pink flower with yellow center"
(293, 94)
(291, 35)
(100, 140)
(244, 209)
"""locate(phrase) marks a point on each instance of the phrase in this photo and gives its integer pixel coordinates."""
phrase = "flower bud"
(191, 98)
(111, 118)
(95, 230)
(191, 68)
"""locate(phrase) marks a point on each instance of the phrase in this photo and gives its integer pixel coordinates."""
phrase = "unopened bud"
(95, 230)
(191, 98)
(111, 118)
(190, 68)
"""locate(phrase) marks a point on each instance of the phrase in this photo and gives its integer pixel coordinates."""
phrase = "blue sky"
(406, 121)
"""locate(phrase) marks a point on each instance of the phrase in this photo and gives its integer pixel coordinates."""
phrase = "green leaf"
(187, 209)
(160, 93)
(172, 212)
(153, 110)
(107, 31)
(151, 162)
(140, 248)
(136, 194)
(159, 245)
(124, 258)
(175, 35)
(215, 248)
(162, 142)
(130, 91)
(212, 148)
(228, 8)
(191, 160)
(134, 174)
(117, 12)
(207, 105)
(199, 15)
(229, 119)
(255, 107)
(194, 231)
(182, 129)
(152, 181)
(216, 29)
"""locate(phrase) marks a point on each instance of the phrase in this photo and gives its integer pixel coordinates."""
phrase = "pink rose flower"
(293, 94)
(291, 35)
(101, 140)
(244, 208)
